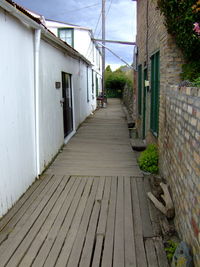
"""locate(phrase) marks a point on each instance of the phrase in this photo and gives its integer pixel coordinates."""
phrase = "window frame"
(72, 35)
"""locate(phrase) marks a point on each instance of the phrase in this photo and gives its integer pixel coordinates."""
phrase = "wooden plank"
(9, 221)
(46, 227)
(28, 239)
(118, 258)
(69, 241)
(57, 246)
(151, 254)
(18, 205)
(80, 238)
(130, 255)
(100, 188)
(90, 237)
(137, 224)
(98, 251)
(101, 229)
(51, 237)
(16, 227)
(107, 256)
(153, 212)
(13, 242)
(161, 254)
(144, 209)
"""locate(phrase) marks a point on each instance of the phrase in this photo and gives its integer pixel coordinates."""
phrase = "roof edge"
(21, 14)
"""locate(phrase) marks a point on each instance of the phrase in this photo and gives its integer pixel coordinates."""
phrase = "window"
(67, 35)
(155, 87)
(140, 89)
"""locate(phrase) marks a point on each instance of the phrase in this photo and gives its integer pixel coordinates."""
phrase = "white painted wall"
(17, 139)
(82, 43)
(52, 63)
(17, 102)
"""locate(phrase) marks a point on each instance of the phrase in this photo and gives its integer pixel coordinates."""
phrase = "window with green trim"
(67, 35)
(155, 88)
(140, 89)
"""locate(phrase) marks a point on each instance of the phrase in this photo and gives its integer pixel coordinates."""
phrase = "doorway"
(144, 104)
(67, 104)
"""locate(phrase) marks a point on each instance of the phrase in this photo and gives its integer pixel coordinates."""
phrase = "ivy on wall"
(180, 16)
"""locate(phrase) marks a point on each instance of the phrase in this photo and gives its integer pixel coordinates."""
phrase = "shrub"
(180, 17)
(148, 160)
(197, 82)
(170, 249)
(190, 71)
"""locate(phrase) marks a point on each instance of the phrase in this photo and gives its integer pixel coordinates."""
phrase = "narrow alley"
(90, 206)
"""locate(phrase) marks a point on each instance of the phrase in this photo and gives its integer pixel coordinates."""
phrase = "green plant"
(115, 81)
(180, 17)
(197, 82)
(170, 249)
(148, 160)
(188, 71)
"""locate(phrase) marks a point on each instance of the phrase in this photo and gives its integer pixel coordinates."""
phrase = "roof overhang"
(26, 18)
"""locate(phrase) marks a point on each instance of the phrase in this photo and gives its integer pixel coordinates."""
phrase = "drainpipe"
(36, 80)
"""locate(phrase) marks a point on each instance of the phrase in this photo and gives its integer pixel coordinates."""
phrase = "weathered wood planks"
(82, 221)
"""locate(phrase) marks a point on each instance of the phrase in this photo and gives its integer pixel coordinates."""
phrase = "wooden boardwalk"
(72, 220)
(101, 147)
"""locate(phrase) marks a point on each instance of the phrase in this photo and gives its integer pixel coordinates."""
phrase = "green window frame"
(155, 92)
(140, 89)
(67, 35)
(97, 86)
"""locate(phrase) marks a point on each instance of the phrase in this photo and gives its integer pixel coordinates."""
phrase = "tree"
(115, 81)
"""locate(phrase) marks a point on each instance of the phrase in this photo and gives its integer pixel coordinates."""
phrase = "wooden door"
(67, 103)
(144, 105)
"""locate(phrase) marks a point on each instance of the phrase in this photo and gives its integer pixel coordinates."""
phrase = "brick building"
(169, 116)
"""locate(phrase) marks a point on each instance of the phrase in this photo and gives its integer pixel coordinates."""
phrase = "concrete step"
(138, 144)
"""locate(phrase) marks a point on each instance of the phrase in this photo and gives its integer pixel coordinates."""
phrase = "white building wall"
(82, 43)
(17, 102)
(17, 135)
(52, 63)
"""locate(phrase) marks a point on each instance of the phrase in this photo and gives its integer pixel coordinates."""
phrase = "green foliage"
(188, 72)
(180, 17)
(170, 249)
(116, 81)
(148, 160)
(197, 82)
(108, 68)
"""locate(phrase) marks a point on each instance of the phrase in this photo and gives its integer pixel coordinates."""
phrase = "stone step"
(138, 144)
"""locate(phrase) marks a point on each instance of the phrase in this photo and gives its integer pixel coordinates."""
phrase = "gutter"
(31, 21)
(12, 9)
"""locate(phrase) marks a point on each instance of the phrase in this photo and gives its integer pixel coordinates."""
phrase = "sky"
(120, 21)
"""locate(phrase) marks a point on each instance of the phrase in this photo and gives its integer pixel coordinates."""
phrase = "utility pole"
(103, 46)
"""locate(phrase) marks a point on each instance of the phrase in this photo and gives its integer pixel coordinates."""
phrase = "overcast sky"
(120, 20)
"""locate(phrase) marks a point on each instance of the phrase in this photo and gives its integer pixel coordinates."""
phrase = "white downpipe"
(37, 131)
